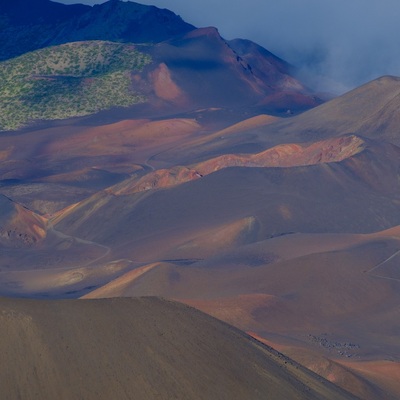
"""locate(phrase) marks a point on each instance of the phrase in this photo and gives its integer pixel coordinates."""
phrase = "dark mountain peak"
(117, 5)
(124, 21)
(210, 31)
(30, 25)
(33, 12)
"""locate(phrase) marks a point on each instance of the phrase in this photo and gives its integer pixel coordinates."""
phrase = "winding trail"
(79, 240)
(147, 164)
(50, 228)
(381, 264)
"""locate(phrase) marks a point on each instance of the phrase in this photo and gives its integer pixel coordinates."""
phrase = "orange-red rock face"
(287, 155)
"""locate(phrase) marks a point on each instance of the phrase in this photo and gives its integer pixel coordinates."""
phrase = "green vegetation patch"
(70, 80)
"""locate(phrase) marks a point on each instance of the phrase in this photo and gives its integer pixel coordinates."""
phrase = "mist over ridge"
(337, 45)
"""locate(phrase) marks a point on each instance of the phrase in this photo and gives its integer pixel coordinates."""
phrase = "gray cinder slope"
(144, 348)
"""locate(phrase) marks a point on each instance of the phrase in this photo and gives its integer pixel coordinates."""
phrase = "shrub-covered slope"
(69, 80)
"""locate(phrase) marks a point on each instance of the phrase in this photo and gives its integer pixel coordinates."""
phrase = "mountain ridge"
(54, 23)
(371, 110)
(197, 70)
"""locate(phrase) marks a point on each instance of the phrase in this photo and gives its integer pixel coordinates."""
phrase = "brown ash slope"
(371, 110)
(141, 348)
(19, 227)
(340, 196)
(210, 72)
(176, 214)
(227, 219)
(268, 68)
(317, 297)
(289, 155)
(66, 164)
(345, 184)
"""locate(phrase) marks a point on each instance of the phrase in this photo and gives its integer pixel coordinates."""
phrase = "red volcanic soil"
(165, 88)
(161, 178)
(112, 145)
(287, 155)
(66, 164)
(290, 155)
(19, 226)
(123, 138)
(154, 224)
(204, 70)
(288, 101)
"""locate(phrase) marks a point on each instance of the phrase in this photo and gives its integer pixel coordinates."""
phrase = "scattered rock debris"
(344, 349)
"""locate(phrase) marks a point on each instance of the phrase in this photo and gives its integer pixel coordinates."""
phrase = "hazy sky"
(347, 41)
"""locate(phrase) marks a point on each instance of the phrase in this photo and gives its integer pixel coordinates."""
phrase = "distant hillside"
(142, 349)
(371, 110)
(27, 25)
(191, 68)
(69, 80)
(196, 70)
